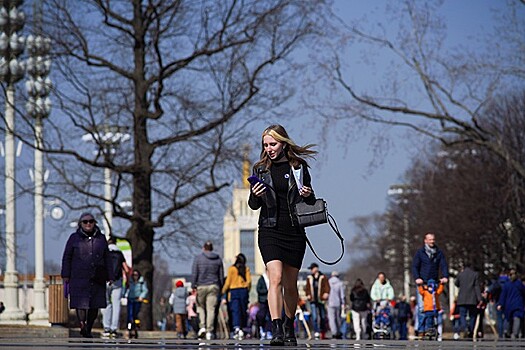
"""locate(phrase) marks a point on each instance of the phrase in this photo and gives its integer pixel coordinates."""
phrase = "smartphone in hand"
(253, 180)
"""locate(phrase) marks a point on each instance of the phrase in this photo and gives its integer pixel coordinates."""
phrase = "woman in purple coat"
(85, 268)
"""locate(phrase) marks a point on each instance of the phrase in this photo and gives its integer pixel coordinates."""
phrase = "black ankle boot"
(277, 333)
(289, 332)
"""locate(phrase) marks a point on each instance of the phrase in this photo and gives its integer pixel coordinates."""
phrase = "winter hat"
(179, 284)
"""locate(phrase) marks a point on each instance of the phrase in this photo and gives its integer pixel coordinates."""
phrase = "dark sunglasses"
(88, 221)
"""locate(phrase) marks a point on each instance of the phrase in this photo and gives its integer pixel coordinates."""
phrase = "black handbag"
(317, 214)
(311, 215)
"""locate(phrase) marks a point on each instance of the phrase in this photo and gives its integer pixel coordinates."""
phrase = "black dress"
(284, 242)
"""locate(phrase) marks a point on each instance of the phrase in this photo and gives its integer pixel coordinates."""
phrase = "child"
(404, 313)
(431, 307)
(178, 302)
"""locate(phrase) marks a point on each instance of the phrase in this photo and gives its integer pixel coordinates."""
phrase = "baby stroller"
(382, 322)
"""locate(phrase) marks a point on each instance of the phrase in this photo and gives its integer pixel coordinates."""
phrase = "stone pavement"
(56, 338)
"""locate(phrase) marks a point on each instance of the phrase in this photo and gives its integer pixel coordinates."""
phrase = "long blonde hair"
(292, 151)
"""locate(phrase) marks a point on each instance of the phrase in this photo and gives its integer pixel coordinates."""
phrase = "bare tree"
(428, 87)
(182, 80)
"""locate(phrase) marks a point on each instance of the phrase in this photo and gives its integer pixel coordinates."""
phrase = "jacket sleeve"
(67, 258)
(440, 289)
(503, 297)
(248, 278)
(194, 273)
(477, 288)
(143, 290)
(374, 294)
(227, 283)
(390, 293)
(308, 182)
(221, 274)
(254, 202)
(443, 265)
(416, 266)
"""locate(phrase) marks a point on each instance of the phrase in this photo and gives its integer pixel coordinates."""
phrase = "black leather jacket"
(268, 201)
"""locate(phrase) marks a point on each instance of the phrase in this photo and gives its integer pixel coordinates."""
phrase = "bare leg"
(274, 270)
(291, 295)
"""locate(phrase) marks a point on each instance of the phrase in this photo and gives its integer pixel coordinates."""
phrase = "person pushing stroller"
(382, 293)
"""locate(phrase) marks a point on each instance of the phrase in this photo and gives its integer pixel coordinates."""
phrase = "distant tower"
(240, 224)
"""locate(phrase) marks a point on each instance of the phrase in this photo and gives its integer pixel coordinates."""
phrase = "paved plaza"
(163, 343)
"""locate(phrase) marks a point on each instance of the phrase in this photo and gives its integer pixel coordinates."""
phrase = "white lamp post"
(11, 71)
(109, 137)
(402, 192)
(39, 106)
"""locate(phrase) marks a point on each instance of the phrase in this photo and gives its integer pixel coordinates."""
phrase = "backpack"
(116, 259)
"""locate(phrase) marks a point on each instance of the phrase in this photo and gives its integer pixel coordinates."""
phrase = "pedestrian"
(161, 312)
(427, 264)
(336, 305)
(317, 293)
(511, 302)
(238, 283)
(86, 268)
(430, 293)
(469, 297)
(263, 316)
(382, 291)
(208, 278)
(361, 305)
(2, 307)
(403, 314)
(495, 289)
(137, 294)
(178, 300)
(120, 271)
(191, 309)
(281, 241)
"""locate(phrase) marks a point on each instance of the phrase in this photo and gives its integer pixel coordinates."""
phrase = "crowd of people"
(218, 303)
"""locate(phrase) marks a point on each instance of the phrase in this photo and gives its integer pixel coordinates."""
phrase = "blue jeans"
(239, 305)
(472, 313)
(502, 323)
(133, 310)
(318, 316)
(110, 315)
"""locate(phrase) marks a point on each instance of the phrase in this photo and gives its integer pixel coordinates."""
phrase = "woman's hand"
(305, 191)
(258, 189)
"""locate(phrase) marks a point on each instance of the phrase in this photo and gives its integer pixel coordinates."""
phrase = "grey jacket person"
(469, 290)
(207, 270)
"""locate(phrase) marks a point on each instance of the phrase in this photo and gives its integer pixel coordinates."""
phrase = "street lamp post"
(11, 71)
(39, 106)
(109, 138)
(402, 192)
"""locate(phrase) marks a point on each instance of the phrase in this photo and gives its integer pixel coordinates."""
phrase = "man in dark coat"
(86, 269)
(468, 298)
(426, 265)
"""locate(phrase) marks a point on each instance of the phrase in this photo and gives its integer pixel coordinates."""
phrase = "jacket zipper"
(290, 187)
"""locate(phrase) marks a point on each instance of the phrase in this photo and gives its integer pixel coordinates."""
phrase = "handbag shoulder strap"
(334, 227)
